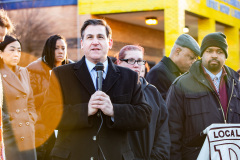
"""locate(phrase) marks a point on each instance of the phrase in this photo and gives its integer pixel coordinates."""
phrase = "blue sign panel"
(20, 4)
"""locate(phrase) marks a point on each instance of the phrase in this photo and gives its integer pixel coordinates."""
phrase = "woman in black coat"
(154, 141)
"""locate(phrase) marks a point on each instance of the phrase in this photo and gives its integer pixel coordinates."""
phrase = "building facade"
(200, 16)
(36, 20)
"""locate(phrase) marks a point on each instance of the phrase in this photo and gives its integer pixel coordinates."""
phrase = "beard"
(214, 67)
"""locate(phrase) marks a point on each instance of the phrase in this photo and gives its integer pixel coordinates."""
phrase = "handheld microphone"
(99, 68)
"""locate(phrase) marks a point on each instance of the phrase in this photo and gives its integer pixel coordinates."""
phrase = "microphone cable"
(101, 151)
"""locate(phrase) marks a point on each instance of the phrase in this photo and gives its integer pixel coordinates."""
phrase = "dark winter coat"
(77, 132)
(154, 141)
(194, 105)
(39, 77)
(163, 74)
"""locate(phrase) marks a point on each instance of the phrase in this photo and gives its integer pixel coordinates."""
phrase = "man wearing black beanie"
(207, 94)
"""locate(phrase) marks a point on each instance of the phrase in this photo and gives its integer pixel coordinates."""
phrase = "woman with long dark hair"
(54, 54)
(19, 114)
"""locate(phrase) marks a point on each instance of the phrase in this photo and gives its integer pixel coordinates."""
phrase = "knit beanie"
(7, 40)
(216, 39)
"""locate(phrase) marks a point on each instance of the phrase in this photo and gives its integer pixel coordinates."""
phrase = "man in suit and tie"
(93, 124)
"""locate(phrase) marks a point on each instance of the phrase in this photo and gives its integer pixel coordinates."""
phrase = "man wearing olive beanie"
(184, 52)
(207, 94)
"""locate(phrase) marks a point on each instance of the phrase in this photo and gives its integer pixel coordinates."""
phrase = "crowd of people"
(54, 109)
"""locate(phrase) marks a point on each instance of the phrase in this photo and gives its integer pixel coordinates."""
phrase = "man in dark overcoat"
(93, 124)
(184, 52)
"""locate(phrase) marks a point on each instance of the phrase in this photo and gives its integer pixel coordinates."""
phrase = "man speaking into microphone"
(93, 124)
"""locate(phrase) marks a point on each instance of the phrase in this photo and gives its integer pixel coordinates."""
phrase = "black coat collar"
(82, 73)
(171, 66)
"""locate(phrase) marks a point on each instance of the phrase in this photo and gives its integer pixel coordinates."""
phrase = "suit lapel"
(82, 73)
(12, 79)
(112, 76)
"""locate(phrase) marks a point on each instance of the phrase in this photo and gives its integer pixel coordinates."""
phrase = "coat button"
(4, 75)
(231, 109)
(22, 138)
(92, 158)
(219, 109)
(24, 96)
(17, 97)
(27, 123)
(94, 138)
(25, 109)
(234, 95)
(17, 110)
(20, 124)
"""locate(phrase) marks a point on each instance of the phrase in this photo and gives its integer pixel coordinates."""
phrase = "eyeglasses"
(133, 61)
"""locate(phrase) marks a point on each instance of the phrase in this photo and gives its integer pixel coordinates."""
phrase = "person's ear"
(110, 43)
(118, 61)
(178, 50)
(81, 44)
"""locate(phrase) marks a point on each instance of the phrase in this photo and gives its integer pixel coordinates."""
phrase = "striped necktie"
(216, 84)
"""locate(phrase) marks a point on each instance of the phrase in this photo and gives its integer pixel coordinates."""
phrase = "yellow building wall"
(133, 34)
(213, 14)
(208, 11)
(118, 6)
(174, 22)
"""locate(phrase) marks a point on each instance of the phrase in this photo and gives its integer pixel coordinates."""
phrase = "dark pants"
(44, 151)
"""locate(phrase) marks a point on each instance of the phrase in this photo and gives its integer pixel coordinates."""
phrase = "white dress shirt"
(93, 73)
(212, 76)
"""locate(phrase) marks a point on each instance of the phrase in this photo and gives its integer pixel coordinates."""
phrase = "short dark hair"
(48, 54)
(5, 21)
(95, 22)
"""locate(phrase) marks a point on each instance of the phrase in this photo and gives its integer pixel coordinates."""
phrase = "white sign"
(222, 142)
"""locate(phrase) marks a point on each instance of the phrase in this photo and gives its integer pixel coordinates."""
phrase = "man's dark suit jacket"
(163, 74)
(76, 131)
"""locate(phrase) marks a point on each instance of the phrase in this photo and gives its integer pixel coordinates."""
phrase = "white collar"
(91, 65)
(212, 75)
